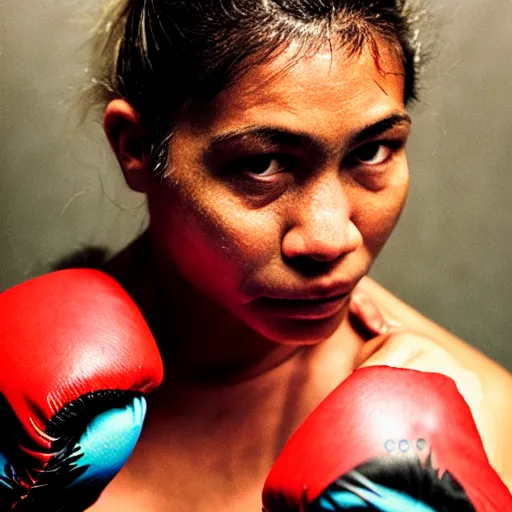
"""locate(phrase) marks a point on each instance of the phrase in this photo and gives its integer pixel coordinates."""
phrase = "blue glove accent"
(75, 476)
(4, 464)
(109, 441)
(378, 498)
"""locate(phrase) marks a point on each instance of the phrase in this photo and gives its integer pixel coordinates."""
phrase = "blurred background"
(451, 256)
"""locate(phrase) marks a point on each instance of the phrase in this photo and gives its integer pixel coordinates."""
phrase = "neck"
(203, 343)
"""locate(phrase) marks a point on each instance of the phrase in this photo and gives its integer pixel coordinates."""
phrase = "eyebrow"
(282, 137)
(382, 126)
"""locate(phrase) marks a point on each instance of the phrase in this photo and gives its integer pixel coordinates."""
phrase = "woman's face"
(280, 196)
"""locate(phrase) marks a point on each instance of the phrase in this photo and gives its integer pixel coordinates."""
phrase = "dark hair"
(167, 56)
(405, 474)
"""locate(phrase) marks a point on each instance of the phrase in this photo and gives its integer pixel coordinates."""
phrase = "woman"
(269, 138)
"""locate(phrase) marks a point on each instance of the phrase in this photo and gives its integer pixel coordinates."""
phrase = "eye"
(260, 166)
(374, 153)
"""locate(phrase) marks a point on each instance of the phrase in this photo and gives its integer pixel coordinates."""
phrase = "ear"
(124, 131)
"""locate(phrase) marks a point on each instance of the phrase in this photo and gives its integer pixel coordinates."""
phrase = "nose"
(321, 228)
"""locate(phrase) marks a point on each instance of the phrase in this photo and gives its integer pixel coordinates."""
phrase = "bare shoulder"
(494, 376)
(433, 348)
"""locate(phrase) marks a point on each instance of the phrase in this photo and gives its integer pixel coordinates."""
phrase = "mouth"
(306, 308)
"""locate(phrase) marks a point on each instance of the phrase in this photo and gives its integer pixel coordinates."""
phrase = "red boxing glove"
(76, 357)
(391, 440)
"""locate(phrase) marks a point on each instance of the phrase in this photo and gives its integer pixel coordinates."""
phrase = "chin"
(292, 331)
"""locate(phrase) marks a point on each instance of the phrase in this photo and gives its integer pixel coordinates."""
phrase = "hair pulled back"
(167, 56)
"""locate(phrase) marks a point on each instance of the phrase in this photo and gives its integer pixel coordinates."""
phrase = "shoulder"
(398, 312)
(423, 344)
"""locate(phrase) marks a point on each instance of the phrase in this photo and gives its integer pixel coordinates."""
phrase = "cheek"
(377, 216)
(212, 239)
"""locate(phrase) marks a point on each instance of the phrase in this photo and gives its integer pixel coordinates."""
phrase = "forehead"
(313, 91)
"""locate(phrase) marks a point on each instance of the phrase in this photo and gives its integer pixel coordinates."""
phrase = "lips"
(305, 307)
(313, 293)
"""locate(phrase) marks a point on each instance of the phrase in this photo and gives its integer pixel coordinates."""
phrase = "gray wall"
(451, 256)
